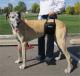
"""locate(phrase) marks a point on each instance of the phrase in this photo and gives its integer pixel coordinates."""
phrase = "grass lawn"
(4, 26)
(72, 22)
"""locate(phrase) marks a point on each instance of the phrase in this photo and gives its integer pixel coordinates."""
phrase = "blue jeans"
(50, 43)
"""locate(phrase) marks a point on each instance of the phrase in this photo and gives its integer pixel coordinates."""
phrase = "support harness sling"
(49, 27)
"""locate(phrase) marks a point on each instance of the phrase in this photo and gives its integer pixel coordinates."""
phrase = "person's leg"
(60, 53)
(50, 46)
(41, 44)
(41, 48)
(50, 50)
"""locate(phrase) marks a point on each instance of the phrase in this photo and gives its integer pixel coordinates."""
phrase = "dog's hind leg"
(19, 60)
(62, 44)
(59, 50)
(23, 55)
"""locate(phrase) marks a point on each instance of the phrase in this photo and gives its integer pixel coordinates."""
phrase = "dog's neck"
(29, 24)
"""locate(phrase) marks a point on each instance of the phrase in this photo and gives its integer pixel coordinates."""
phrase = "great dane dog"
(26, 30)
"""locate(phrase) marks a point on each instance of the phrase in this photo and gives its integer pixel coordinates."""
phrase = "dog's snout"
(17, 19)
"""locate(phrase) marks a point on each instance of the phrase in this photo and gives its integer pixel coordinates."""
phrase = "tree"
(0, 11)
(35, 8)
(21, 7)
(70, 10)
(5, 10)
(16, 8)
(10, 7)
(77, 8)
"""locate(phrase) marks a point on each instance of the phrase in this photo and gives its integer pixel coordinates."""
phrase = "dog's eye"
(12, 16)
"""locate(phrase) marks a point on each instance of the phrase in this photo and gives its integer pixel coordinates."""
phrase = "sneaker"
(50, 61)
(39, 58)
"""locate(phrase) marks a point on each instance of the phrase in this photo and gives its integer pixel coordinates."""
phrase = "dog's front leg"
(19, 53)
(23, 55)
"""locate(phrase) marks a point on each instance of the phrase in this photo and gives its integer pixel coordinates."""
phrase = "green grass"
(4, 26)
(72, 22)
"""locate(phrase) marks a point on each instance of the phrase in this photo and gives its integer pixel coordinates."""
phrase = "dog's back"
(35, 28)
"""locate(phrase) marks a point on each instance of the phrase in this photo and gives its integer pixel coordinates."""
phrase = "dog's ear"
(7, 15)
(19, 15)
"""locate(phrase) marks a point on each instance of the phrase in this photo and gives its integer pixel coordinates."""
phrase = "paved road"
(8, 55)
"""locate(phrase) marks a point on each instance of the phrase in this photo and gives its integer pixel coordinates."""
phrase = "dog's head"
(14, 19)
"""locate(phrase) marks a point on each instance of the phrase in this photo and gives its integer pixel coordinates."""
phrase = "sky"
(4, 3)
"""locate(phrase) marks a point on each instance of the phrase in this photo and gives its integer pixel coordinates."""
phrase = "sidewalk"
(11, 40)
(34, 68)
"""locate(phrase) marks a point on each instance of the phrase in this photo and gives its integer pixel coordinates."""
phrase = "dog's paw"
(22, 67)
(68, 70)
(18, 61)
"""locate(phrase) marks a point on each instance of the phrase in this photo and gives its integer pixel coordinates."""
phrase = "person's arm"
(39, 17)
(57, 6)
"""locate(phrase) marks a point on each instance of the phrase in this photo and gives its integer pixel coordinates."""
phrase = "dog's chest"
(30, 34)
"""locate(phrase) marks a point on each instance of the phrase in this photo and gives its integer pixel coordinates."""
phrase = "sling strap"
(49, 27)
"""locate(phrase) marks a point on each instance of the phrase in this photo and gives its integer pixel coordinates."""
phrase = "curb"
(73, 34)
(13, 36)
(11, 40)
(7, 36)
(75, 41)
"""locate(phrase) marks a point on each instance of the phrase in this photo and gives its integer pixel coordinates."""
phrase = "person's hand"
(51, 13)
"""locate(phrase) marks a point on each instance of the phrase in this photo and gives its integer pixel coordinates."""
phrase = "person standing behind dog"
(48, 8)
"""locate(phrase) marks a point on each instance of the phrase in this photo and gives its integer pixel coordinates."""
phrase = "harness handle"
(48, 19)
